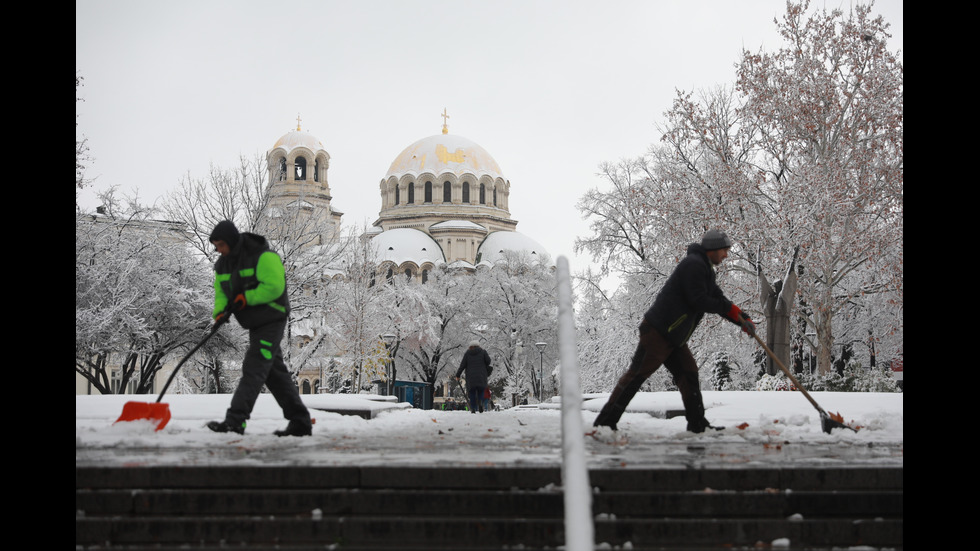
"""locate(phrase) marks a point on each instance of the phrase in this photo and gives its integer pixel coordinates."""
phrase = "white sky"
(550, 88)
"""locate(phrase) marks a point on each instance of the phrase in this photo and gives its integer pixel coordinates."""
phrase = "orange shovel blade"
(155, 412)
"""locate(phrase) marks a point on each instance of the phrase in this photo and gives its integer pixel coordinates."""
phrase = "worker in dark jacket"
(250, 283)
(476, 364)
(688, 294)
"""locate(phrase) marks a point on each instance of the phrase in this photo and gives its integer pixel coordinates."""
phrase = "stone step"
(448, 533)
(486, 503)
(604, 479)
(296, 508)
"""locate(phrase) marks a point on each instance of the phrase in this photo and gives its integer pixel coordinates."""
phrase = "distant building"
(444, 199)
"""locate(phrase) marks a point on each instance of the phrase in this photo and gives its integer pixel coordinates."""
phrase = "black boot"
(603, 419)
(225, 426)
(295, 429)
(698, 425)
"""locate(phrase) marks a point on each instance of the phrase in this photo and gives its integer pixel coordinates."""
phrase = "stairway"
(471, 508)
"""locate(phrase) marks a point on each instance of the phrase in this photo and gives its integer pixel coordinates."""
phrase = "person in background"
(476, 364)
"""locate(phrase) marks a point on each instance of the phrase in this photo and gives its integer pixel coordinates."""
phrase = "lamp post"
(541, 346)
(390, 365)
(518, 350)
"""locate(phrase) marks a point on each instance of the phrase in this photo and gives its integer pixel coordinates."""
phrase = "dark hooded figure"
(476, 364)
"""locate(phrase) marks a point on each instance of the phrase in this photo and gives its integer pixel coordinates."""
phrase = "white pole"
(579, 529)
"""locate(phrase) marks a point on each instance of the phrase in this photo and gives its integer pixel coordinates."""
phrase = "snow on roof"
(457, 225)
(298, 138)
(402, 245)
(445, 153)
(492, 248)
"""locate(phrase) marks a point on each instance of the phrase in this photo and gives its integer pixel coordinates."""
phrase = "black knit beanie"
(225, 231)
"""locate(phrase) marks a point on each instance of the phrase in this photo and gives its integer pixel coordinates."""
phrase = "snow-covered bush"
(773, 382)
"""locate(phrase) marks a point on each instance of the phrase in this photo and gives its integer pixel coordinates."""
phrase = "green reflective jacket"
(256, 270)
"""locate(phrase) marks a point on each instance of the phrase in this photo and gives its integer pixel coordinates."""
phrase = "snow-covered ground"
(761, 428)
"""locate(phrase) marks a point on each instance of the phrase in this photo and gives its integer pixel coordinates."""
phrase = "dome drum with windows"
(448, 193)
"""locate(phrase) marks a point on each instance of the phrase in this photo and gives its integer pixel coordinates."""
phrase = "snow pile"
(761, 428)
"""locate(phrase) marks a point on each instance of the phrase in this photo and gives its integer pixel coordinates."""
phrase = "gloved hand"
(238, 304)
(738, 316)
(747, 325)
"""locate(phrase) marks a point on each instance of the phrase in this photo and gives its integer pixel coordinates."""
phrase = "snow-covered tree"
(515, 302)
(140, 295)
(355, 319)
(804, 154)
(828, 110)
(428, 319)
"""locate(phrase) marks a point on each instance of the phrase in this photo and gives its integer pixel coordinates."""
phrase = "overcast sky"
(550, 88)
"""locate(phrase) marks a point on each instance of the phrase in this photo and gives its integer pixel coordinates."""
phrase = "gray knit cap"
(715, 239)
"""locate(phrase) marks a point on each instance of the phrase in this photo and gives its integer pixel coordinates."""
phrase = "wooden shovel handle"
(787, 372)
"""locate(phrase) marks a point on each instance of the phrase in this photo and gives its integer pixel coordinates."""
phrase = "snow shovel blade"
(829, 421)
(156, 412)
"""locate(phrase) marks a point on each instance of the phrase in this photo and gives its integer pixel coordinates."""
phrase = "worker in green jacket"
(250, 283)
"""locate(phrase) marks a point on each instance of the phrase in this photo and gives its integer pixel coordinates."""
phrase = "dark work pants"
(475, 396)
(263, 365)
(653, 351)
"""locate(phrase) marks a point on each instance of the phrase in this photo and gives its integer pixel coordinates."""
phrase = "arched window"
(300, 168)
(411, 192)
(495, 196)
(447, 192)
(316, 170)
(397, 193)
(428, 192)
(483, 194)
(282, 169)
(466, 192)
(425, 276)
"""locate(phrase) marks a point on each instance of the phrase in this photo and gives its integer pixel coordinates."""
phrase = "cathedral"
(444, 200)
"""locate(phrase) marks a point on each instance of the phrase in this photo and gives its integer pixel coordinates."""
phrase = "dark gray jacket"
(476, 363)
(688, 294)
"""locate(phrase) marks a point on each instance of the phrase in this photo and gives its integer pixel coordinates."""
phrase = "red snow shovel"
(157, 412)
(828, 421)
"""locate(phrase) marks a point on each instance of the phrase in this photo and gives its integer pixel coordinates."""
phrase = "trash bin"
(415, 393)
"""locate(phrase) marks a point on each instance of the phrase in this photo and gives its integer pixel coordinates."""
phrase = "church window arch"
(494, 195)
(447, 192)
(466, 192)
(397, 193)
(428, 192)
(316, 170)
(411, 193)
(483, 194)
(282, 169)
(300, 164)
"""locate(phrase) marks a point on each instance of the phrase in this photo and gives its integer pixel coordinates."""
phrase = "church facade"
(444, 200)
